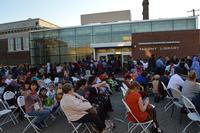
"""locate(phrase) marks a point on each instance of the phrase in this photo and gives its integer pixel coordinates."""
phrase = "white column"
(94, 53)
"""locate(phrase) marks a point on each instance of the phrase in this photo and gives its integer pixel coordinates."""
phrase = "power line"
(194, 11)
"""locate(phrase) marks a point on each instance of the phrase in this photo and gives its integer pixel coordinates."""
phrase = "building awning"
(113, 44)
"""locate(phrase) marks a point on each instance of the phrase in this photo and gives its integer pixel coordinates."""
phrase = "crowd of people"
(82, 96)
(155, 74)
(82, 89)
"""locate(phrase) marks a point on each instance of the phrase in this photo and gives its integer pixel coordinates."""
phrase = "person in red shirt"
(142, 110)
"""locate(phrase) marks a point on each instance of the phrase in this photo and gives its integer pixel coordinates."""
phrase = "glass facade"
(73, 43)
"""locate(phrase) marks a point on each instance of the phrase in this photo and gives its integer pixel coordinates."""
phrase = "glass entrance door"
(102, 58)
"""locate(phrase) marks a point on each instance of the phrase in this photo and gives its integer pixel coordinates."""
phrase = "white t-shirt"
(175, 82)
(8, 81)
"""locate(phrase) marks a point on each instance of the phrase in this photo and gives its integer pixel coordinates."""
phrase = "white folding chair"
(123, 91)
(193, 114)
(143, 125)
(76, 126)
(169, 96)
(9, 95)
(125, 86)
(31, 119)
(177, 101)
(124, 94)
(1, 91)
(7, 113)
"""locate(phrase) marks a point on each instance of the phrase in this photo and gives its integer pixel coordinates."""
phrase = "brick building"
(14, 39)
(166, 43)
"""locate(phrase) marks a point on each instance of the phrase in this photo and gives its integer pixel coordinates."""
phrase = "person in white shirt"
(8, 79)
(78, 109)
(175, 82)
(145, 64)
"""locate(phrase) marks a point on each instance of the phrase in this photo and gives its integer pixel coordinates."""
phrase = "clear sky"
(67, 12)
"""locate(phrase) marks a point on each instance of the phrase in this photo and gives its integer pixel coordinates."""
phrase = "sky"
(67, 12)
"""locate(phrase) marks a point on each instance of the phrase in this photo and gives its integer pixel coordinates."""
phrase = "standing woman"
(142, 110)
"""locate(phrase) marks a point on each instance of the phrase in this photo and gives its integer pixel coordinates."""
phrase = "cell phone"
(146, 99)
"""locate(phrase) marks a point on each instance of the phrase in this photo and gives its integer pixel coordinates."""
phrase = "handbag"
(36, 106)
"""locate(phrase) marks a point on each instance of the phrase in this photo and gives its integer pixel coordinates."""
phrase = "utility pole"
(194, 11)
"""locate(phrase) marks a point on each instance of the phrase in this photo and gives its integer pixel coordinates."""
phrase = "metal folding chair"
(177, 101)
(1, 91)
(7, 113)
(77, 126)
(143, 125)
(123, 91)
(169, 96)
(31, 119)
(9, 95)
(125, 86)
(193, 114)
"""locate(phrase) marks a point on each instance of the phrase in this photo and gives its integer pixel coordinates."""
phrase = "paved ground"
(60, 125)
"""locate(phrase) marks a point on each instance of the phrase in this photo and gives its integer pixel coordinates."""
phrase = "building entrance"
(123, 57)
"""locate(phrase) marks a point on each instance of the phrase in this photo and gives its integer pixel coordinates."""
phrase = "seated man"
(175, 82)
(77, 108)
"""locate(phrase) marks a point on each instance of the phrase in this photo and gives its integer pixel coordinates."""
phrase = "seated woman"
(96, 96)
(190, 87)
(81, 89)
(33, 105)
(77, 108)
(142, 110)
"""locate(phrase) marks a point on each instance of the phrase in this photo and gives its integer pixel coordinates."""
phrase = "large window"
(18, 44)
(84, 31)
(10, 44)
(120, 32)
(180, 24)
(162, 26)
(141, 27)
(191, 24)
(25, 43)
(116, 28)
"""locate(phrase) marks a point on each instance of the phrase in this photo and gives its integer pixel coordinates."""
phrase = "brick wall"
(12, 58)
(168, 43)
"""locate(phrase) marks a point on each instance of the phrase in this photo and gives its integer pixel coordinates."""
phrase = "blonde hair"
(192, 75)
(134, 86)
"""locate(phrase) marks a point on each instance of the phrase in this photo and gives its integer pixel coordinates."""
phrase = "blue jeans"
(41, 115)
